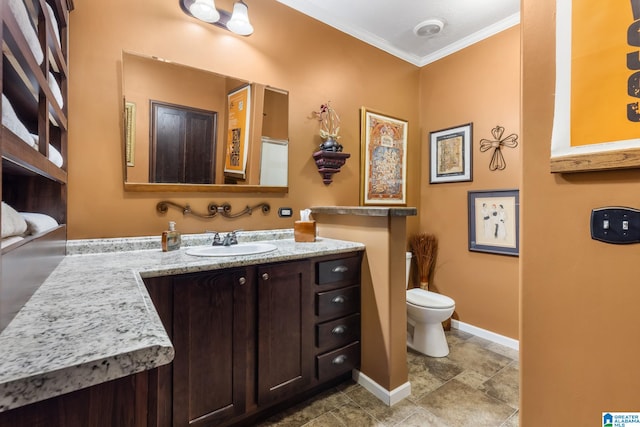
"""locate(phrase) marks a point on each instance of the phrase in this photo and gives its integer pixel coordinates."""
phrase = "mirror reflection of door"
(183, 144)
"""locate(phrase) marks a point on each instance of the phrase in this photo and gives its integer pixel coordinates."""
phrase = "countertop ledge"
(364, 210)
(93, 321)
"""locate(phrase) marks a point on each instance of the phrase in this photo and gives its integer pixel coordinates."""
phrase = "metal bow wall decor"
(497, 159)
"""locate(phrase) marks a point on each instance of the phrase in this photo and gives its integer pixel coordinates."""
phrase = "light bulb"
(239, 22)
(205, 10)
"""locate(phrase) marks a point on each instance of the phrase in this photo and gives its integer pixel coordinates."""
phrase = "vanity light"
(205, 10)
(239, 22)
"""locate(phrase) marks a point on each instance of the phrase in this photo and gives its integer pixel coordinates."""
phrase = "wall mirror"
(187, 129)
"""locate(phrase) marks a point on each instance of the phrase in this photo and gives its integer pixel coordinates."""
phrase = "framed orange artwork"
(237, 148)
(597, 119)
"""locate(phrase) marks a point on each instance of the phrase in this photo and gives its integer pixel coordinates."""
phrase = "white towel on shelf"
(24, 22)
(10, 121)
(13, 224)
(57, 94)
(55, 156)
(38, 223)
(54, 22)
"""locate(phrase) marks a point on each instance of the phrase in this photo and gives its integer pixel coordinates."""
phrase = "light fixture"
(428, 28)
(205, 10)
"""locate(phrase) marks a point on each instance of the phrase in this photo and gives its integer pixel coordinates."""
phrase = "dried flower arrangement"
(425, 250)
(329, 127)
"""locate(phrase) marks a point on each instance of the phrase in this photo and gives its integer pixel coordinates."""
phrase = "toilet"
(425, 313)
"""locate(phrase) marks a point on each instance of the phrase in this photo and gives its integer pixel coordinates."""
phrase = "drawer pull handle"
(242, 280)
(338, 330)
(340, 269)
(338, 300)
(339, 360)
(265, 276)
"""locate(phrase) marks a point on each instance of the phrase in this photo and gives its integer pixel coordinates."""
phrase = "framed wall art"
(130, 132)
(597, 116)
(494, 221)
(383, 145)
(450, 154)
(237, 149)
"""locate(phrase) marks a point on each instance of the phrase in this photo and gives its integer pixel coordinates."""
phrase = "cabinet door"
(210, 338)
(285, 330)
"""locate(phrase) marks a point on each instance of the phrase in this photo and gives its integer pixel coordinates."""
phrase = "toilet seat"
(422, 298)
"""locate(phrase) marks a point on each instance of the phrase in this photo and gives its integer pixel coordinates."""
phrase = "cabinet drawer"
(339, 332)
(339, 361)
(339, 270)
(338, 303)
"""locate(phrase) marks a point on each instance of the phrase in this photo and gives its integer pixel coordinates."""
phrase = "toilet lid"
(424, 298)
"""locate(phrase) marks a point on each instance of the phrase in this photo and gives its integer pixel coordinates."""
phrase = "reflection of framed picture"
(596, 118)
(493, 221)
(383, 146)
(450, 154)
(130, 132)
(237, 149)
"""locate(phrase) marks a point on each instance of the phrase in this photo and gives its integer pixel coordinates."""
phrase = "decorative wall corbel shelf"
(329, 163)
(213, 209)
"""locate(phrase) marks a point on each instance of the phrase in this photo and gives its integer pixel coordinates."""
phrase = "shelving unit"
(31, 182)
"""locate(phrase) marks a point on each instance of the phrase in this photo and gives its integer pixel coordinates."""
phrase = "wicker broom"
(425, 249)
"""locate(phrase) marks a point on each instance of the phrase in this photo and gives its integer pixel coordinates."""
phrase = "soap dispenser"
(171, 238)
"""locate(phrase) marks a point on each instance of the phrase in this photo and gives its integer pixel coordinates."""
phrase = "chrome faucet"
(230, 239)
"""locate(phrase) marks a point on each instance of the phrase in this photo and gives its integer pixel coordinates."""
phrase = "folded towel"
(13, 224)
(57, 94)
(24, 22)
(38, 223)
(55, 156)
(10, 121)
(54, 22)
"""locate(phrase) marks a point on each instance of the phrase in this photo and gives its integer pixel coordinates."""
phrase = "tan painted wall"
(580, 318)
(288, 50)
(480, 84)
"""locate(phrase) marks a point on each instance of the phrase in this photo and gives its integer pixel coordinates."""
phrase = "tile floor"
(477, 385)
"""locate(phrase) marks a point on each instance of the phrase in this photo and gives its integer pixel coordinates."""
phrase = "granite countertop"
(92, 319)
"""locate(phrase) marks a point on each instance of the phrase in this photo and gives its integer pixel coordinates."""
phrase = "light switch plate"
(615, 224)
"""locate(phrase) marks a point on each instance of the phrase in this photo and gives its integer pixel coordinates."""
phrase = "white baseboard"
(389, 398)
(488, 335)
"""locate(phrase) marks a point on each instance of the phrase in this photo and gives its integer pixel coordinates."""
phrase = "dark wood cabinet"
(285, 322)
(210, 326)
(251, 340)
(337, 316)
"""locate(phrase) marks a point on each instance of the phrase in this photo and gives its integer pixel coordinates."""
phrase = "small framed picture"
(450, 154)
(383, 159)
(493, 222)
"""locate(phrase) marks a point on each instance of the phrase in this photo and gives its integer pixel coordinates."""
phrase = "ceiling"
(389, 25)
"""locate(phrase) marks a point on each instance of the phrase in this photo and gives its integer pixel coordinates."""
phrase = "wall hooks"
(497, 159)
(213, 209)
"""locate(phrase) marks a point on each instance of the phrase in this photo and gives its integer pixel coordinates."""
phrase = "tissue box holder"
(304, 231)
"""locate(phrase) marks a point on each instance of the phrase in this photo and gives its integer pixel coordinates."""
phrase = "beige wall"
(480, 84)
(288, 50)
(580, 320)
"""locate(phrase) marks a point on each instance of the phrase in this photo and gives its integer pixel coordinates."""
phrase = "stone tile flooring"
(476, 385)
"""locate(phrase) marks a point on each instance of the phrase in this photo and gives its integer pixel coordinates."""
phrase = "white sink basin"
(233, 250)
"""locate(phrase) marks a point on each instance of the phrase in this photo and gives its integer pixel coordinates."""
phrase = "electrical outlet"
(615, 224)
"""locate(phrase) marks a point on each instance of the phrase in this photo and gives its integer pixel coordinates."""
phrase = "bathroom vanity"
(250, 337)
(139, 337)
